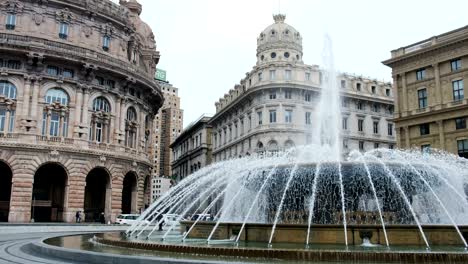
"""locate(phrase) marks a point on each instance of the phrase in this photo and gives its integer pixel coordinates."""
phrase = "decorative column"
(85, 107)
(35, 97)
(6, 127)
(441, 134)
(407, 137)
(438, 90)
(47, 129)
(395, 93)
(78, 105)
(26, 96)
(122, 115)
(60, 129)
(116, 123)
(405, 93)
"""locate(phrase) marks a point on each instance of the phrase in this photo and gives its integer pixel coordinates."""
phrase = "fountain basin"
(331, 234)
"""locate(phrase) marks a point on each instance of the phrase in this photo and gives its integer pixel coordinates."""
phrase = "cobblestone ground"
(14, 237)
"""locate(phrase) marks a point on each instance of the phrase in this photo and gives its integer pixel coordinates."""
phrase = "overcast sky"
(207, 46)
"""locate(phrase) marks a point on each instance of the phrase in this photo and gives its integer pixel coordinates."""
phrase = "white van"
(128, 219)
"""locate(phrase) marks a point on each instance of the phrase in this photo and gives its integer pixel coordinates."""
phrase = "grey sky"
(207, 46)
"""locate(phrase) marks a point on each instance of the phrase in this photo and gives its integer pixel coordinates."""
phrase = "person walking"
(78, 216)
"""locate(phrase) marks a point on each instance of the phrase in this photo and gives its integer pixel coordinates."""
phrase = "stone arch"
(137, 110)
(130, 193)
(109, 98)
(260, 146)
(98, 194)
(147, 195)
(16, 82)
(49, 192)
(289, 144)
(49, 85)
(272, 145)
(6, 178)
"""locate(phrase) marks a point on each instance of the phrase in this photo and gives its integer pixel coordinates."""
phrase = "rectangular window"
(460, 123)
(463, 148)
(458, 93)
(288, 116)
(391, 146)
(307, 97)
(345, 103)
(358, 86)
(387, 92)
(287, 75)
(360, 125)
(376, 127)
(272, 75)
(424, 129)
(272, 95)
(100, 80)
(421, 74)
(260, 76)
(272, 116)
(308, 118)
(307, 76)
(106, 43)
(375, 107)
(361, 145)
(110, 84)
(10, 21)
(376, 145)
(343, 84)
(250, 122)
(52, 70)
(390, 129)
(426, 148)
(455, 64)
(422, 98)
(68, 73)
(287, 94)
(373, 89)
(344, 123)
(63, 31)
(13, 64)
(360, 106)
(260, 118)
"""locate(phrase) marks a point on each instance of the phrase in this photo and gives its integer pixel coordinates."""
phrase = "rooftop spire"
(279, 18)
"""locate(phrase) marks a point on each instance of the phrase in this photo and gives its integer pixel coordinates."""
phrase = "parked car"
(128, 219)
(201, 217)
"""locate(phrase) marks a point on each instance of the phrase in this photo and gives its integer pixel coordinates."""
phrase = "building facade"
(428, 81)
(160, 186)
(168, 126)
(77, 103)
(192, 149)
(274, 106)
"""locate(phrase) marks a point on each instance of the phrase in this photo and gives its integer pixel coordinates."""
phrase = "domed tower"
(279, 42)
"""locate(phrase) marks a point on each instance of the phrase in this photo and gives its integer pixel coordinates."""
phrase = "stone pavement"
(14, 236)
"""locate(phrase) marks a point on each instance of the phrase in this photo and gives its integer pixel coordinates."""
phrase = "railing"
(75, 50)
(8, 135)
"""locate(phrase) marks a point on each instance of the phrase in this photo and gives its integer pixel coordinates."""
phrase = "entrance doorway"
(97, 195)
(5, 191)
(129, 194)
(49, 193)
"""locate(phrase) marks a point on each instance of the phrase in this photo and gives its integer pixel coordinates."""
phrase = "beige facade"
(192, 149)
(77, 103)
(429, 78)
(274, 106)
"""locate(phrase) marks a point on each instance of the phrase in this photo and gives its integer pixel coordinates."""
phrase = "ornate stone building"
(192, 149)
(428, 79)
(77, 103)
(274, 105)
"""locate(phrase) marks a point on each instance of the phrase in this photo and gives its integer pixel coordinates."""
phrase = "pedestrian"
(78, 216)
(102, 219)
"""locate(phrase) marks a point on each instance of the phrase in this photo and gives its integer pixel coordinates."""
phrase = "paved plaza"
(14, 237)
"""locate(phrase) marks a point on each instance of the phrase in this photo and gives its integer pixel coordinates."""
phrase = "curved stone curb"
(301, 255)
(47, 251)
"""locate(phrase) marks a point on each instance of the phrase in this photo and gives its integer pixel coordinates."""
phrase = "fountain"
(311, 203)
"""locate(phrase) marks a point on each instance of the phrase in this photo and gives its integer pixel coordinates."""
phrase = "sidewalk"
(11, 228)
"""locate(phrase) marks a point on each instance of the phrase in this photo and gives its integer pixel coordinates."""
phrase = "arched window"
(131, 126)
(289, 144)
(7, 89)
(55, 115)
(100, 121)
(56, 95)
(101, 104)
(7, 107)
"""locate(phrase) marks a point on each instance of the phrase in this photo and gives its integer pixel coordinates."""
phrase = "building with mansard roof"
(274, 105)
(77, 104)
